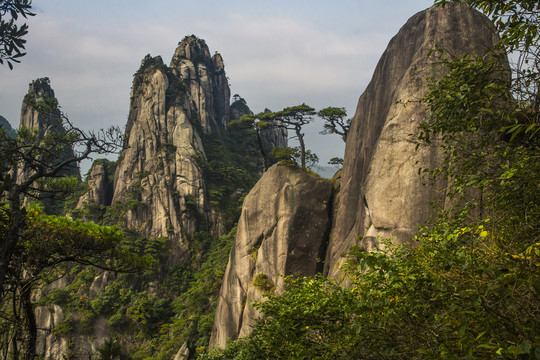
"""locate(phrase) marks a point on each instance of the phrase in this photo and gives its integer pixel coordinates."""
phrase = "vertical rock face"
(158, 172)
(48, 345)
(381, 192)
(277, 136)
(100, 187)
(205, 81)
(40, 108)
(282, 231)
(40, 112)
(4, 124)
(239, 108)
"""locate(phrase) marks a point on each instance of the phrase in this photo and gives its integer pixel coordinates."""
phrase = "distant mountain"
(7, 126)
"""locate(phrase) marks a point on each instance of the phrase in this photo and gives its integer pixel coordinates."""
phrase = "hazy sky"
(276, 53)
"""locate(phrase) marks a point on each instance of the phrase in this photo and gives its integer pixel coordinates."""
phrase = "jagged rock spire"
(206, 82)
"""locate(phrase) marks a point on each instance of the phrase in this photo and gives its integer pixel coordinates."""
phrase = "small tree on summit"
(258, 123)
(335, 122)
(290, 118)
(293, 118)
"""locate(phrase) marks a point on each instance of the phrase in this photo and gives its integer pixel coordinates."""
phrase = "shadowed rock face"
(40, 113)
(381, 192)
(101, 188)
(39, 109)
(4, 124)
(282, 231)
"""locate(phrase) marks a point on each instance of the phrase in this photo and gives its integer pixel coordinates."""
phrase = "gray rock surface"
(48, 345)
(4, 124)
(276, 134)
(39, 108)
(205, 81)
(100, 190)
(183, 353)
(281, 231)
(381, 192)
(40, 112)
(158, 169)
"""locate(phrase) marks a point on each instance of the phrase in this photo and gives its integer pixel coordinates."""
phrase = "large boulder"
(282, 231)
(382, 195)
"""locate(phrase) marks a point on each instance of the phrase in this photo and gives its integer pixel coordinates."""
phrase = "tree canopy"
(335, 122)
(11, 34)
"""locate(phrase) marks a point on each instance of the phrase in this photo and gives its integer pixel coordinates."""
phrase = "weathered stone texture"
(100, 190)
(381, 192)
(205, 80)
(282, 231)
(158, 167)
(39, 112)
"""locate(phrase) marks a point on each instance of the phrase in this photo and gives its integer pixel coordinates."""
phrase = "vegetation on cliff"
(469, 283)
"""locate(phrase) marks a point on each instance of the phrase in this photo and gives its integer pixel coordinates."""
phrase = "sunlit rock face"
(205, 80)
(39, 108)
(158, 168)
(282, 230)
(382, 195)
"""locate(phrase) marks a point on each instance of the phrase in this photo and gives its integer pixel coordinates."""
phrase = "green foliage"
(294, 118)
(451, 295)
(230, 171)
(335, 122)
(56, 296)
(12, 40)
(50, 239)
(336, 161)
(293, 156)
(263, 283)
(148, 313)
(239, 105)
(112, 298)
(467, 287)
(111, 350)
(62, 329)
(194, 309)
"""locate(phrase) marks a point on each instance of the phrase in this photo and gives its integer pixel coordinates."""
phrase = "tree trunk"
(261, 150)
(29, 330)
(15, 329)
(302, 146)
(16, 219)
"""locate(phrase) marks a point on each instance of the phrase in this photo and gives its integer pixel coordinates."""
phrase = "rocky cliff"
(381, 192)
(205, 81)
(100, 190)
(160, 167)
(4, 124)
(40, 113)
(181, 175)
(161, 180)
(282, 231)
(39, 110)
(378, 194)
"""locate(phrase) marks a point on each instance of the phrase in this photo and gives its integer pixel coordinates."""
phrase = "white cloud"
(274, 58)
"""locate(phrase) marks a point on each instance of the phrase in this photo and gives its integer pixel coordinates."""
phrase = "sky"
(277, 53)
